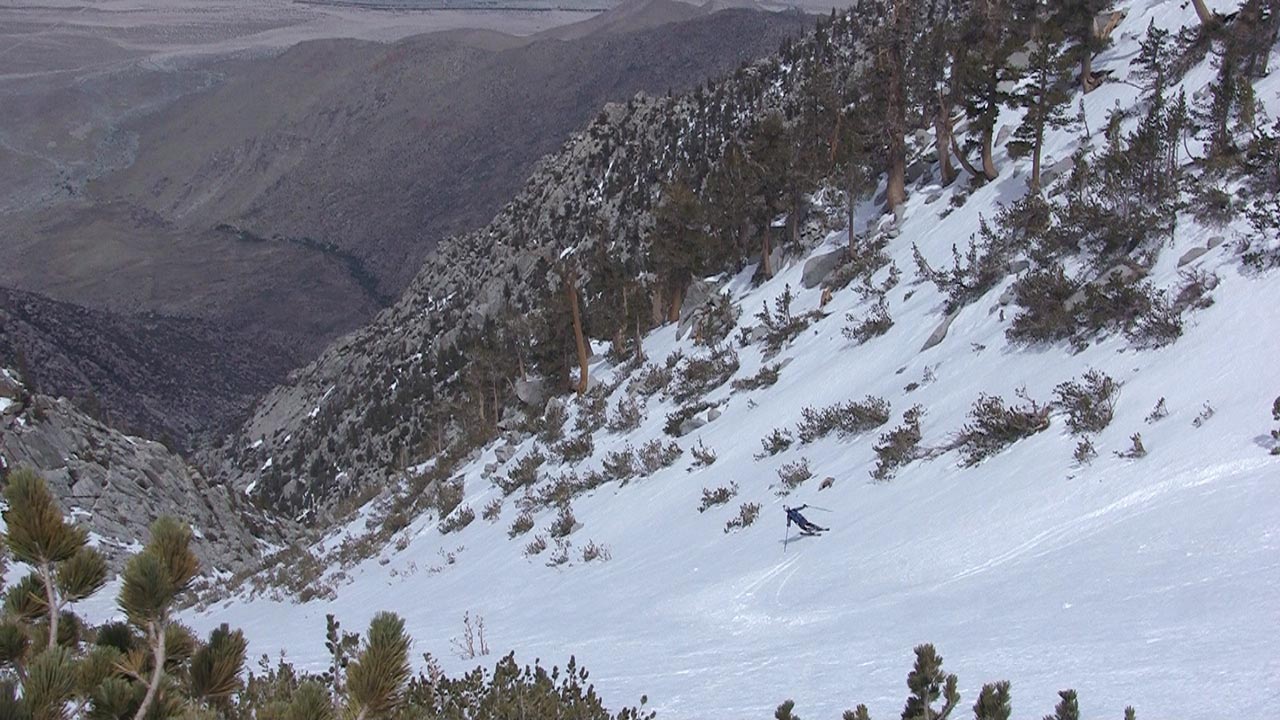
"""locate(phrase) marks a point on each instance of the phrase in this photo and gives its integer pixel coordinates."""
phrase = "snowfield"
(1153, 582)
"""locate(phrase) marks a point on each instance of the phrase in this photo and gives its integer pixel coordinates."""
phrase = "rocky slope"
(117, 484)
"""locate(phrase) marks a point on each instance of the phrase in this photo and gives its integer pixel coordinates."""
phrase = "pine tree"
(152, 580)
(993, 702)
(1045, 98)
(376, 679)
(64, 568)
(681, 245)
(1068, 708)
(1078, 19)
(891, 42)
(988, 40)
(927, 683)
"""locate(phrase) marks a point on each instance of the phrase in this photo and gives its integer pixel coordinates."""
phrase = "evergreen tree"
(1045, 98)
(152, 581)
(987, 37)
(64, 568)
(1078, 19)
(377, 678)
(927, 683)
(681, 247)
(891, 43)
(1068, 708)
(993, 702)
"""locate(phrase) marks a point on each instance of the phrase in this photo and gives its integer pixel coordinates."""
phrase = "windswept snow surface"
(1153, 582)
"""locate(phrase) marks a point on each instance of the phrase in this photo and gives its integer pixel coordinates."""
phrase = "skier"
(806, 527)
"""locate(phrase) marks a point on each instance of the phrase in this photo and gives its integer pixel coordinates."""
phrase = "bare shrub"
(747, 515)
(560, 555)
(781, 326)
(521, 525)
(471, 644)
(620, 464)
(650, 380)
(448, 496)
(900, 446)
(535, 546)
(716, 320)
(703, 456)
(866, 257)
(775, 442)
(564, 523)
(457, 520)
(654, 455)
(592, 551)
(592, 407)
(1136, 448)
(876, 323)
(793, 475)
(492, 510)
(575, 449)
(1085, 451)
(1043, 294)
(524, 473)
(1158, 413)
(850, 418)
(1090, 403)
(766, 376)
(550, 426)
(697, 376)
(718, 496)
(993, 426)
(627, 415)
(1194, 290)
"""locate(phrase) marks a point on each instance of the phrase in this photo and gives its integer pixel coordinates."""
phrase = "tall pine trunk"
(988, 160)
(1036, 150)
(571, 290)
(964, 161)
(1202, 11)
(677, 302)
(1086, 68)
(942, 137)
(766, 249)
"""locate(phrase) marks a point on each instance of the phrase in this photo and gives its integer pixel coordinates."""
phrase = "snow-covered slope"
(1149, 581)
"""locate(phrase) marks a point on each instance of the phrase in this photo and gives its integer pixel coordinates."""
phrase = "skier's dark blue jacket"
(793, 515)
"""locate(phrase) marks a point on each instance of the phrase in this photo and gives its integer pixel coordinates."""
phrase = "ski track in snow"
(1153, 582)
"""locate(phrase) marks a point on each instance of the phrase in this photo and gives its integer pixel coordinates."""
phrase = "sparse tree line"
(680, 188)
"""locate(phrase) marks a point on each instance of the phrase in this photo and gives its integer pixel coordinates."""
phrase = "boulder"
(819, 267)
(531, 392)
(691, 424)
(1191, 255)
(940, 332)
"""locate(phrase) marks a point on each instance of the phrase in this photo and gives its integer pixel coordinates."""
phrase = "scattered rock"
(940, 332)
(691, 424)
(1191, 255)
(504, 453)
(818, 267)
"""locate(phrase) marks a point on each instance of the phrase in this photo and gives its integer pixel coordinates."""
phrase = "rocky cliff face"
(115, 484)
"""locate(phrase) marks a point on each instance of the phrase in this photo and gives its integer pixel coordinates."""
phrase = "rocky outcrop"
(116, 485)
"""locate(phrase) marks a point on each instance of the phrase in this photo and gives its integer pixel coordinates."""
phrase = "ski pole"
(815, 507)
(785, 538)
